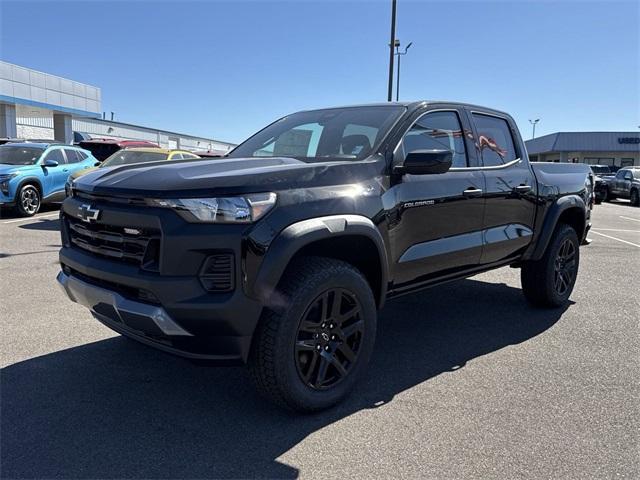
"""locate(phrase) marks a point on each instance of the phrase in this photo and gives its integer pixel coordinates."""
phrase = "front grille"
(132, 245)
(217, 273)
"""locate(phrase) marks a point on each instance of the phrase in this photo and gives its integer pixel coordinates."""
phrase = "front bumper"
(179, 319)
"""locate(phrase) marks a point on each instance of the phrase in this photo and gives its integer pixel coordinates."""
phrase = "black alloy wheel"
(329, 338)
(565, 267)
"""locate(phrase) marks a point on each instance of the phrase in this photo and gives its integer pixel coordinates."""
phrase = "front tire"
(308, 355)
(548, 282)
(635, 198)
(28, 201)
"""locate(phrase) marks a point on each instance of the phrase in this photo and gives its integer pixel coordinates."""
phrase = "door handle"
(523, 188)
(472, 192)
(65, 170)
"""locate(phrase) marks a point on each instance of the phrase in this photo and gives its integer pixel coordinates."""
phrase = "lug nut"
(326, 347)
(331, 325)
(333, 337)
(318, 347)
(324, 325)
(315, 335)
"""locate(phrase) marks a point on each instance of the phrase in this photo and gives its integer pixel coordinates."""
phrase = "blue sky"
(225, 69)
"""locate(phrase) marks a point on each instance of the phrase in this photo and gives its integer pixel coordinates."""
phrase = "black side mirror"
(426, 162)
(50, 163)
(97, 164)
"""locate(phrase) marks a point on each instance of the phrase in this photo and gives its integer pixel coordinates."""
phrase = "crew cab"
(281, 253)
(625, 184)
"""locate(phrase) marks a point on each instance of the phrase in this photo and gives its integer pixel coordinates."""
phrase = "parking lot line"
(614, 238)
(617, 230)
(629, 218)
(31, 218)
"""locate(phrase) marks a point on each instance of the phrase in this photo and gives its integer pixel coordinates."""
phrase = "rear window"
(494, 139)
(101, 151)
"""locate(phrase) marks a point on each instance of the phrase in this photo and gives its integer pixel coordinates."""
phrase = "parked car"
(35, 173)
(133, 155)
(625, 184)
(601, 170)
(103, 148)
(281, 253)
(210, 153)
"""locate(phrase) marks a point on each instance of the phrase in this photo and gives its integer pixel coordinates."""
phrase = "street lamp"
(391, 45)
(399, 53)
(533, 122)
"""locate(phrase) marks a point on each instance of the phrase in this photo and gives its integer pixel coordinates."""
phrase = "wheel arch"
(351, 238)
(35, 181)
(570, 210)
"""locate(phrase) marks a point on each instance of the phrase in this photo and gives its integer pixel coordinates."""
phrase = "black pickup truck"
(280, 254)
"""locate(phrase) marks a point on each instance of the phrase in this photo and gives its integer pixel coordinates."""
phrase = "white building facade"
(38, 105)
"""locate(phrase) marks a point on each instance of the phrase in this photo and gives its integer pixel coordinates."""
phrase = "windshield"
(14, 155)
(600, 169)
(339, 133)
(127, 157)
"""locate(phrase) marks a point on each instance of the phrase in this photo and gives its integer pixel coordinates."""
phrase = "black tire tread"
(534, 275)
(262, 358)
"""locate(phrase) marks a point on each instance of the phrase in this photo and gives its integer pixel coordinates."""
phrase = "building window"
(626, 162)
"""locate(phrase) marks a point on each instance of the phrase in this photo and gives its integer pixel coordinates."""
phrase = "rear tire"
(28, 201)
(548, 282)
(297, 360)
(635, 198)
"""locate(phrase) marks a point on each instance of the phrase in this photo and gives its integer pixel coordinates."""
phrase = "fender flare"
(26, 180)
(300, 234)
(551, 220)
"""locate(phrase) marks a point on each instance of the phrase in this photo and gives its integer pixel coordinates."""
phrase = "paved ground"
(467, 381)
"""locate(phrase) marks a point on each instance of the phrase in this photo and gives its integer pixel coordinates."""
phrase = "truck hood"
(228, 176)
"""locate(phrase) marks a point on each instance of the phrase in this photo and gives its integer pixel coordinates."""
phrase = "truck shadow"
(116, 409)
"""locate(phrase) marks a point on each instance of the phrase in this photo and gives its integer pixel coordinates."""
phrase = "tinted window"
(341, 133)
(55, 155)
(81, 155)
(72, 156)
(439, 131)
(494, 139)
(177, 156)
(620, 174)
(189, 156)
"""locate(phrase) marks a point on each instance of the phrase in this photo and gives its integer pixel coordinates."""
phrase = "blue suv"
(35, 173)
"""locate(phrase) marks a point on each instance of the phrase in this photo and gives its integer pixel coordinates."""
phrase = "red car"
(102, 148)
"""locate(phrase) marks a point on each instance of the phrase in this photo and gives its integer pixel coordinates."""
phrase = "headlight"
(244, 209)
(4, 182)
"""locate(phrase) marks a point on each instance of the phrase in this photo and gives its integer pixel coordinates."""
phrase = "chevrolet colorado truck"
(280, 253)
(625, 184)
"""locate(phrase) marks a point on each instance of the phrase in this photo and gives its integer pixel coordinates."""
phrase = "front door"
(510, 188)
(55, 177)
(435, 225)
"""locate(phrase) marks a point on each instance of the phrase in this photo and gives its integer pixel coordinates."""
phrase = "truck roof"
(413, 105)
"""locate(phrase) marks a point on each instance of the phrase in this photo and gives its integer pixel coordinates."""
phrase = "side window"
(177, 156)
(620, 174)
(628, 175)
(72, 156)
(189, 156)
(81, 155)
(494, 139)
(56, 155)
(437, 130)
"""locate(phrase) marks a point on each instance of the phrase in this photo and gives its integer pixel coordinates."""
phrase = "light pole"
(399, 53)
(391, 44)
(533, 122)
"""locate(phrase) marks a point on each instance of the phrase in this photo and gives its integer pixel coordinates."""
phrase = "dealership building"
(616, 149)
(38, 105)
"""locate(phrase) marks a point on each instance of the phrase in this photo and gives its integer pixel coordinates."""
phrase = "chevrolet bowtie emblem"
(88, 214)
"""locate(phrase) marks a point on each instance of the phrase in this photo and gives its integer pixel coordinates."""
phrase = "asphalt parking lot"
(466, 381)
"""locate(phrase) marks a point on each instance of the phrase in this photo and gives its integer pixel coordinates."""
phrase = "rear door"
(435, 227)
(510, 194)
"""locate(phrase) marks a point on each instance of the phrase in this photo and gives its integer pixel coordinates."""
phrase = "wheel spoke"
(305, 345)
(336, 305)
(347, 352)
(322, 370)
(352, 312)
(338, 366)
(353, 328)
